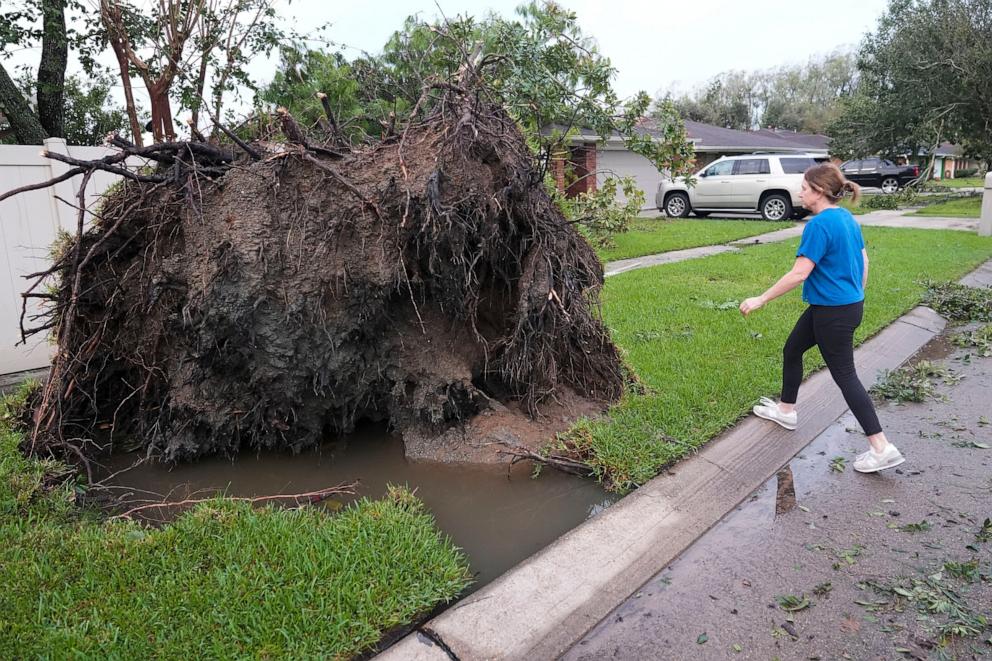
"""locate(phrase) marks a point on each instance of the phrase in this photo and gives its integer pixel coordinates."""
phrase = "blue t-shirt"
(832, 240)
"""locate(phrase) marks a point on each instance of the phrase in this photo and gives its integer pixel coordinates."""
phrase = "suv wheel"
(890, 185)
(677, 205)
(776, 207)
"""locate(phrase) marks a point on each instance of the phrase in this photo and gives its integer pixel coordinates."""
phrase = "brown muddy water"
(497, 518)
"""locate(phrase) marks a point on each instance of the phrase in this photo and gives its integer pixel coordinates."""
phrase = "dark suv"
(880, 173)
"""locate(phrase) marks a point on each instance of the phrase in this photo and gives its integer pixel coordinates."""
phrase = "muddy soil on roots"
(428, 281)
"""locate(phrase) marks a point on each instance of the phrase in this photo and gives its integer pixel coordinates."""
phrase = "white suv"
(764, 183)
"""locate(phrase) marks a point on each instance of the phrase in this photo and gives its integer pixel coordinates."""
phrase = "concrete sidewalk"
(830, 535)
(619, 266)
(903, 219)
(875, 219)
(11, 382)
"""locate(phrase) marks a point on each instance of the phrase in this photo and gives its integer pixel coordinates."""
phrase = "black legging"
(832, 329)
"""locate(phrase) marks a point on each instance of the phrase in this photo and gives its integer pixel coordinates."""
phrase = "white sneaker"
(871, 461)
(768, 409)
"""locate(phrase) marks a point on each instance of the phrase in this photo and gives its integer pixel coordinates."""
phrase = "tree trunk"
(162, 127)
(51, 72)
(201, 80)
(132, 113)
(23, 121)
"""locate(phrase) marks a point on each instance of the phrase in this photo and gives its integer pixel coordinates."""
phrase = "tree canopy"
(925, 78)
(539, 66)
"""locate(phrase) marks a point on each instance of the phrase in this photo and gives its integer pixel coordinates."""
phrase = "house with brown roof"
(590, 160)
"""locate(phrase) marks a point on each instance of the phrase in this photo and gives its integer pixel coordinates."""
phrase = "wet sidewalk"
(843, 544)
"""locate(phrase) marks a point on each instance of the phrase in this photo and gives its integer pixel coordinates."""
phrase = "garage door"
(622, 163)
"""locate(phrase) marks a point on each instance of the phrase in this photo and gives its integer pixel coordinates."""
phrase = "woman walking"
(832, 266)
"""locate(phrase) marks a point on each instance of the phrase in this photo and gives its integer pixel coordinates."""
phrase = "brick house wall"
(574, 169)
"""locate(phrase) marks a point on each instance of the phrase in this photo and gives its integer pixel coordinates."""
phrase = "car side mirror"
(703, 174)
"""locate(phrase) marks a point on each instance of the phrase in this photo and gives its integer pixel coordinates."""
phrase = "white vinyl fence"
(29, 223)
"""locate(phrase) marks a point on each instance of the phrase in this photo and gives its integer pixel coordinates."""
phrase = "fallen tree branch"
(326, 104)
(559, 462)
(300, 499)
(344, 182)
(255, 156)
(102, 164)
(45, 184)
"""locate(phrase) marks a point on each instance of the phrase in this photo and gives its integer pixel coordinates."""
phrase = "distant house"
(589, 161)
(948, 159)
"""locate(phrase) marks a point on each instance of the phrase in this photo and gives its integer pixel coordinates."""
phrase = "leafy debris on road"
(792, 603)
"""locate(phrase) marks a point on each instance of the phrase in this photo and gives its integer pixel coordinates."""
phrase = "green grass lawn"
(968, 207)
(649, 236)
(705, 365)
(966, 182)
(222, 581)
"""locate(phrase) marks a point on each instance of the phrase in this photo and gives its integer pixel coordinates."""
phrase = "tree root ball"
(428, 280)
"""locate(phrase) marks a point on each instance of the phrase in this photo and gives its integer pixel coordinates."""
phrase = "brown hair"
(829, 180)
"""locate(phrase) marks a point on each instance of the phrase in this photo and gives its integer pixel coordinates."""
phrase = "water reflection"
(498, 517)
(785, 491)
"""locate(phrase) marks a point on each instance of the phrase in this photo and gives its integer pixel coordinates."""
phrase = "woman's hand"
(751, 304)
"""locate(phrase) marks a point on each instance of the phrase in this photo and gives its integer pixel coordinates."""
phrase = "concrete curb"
(549, 601)
(11, 382)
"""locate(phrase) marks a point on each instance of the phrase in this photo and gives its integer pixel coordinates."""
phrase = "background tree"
(51, 70)
(802, 97)
(808, 97)
(539, 66)
(731, 99)
(229, 35)
(166, 32)
(177, 47)
(926, 78)
(90, 112)
(19, 28)
(543, 70)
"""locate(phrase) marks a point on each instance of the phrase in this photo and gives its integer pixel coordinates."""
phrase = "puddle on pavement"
(808, 472)
(936, 349)
(497, 518)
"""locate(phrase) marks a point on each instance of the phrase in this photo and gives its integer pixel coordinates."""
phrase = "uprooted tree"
(262, 294)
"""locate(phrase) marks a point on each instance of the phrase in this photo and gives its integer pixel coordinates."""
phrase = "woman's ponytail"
(829, 180)
(854, 189)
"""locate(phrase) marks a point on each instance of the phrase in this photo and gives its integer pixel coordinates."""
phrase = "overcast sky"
(655, 45)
